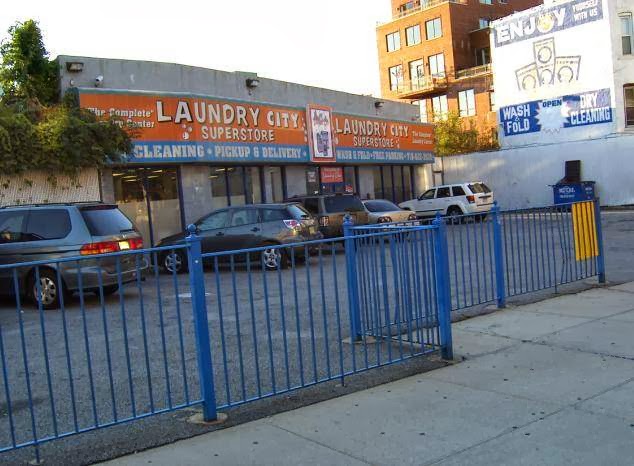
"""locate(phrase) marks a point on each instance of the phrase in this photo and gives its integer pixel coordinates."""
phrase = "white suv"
(452, 200)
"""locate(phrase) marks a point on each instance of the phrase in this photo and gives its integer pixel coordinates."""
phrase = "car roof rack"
(53, 204)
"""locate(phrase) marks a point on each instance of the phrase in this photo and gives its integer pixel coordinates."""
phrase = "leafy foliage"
(37, 132)
(455, 135)
(26, 72)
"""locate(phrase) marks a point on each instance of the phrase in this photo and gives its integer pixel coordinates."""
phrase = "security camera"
(98, 80)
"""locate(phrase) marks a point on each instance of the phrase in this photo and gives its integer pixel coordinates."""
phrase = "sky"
(324, 43)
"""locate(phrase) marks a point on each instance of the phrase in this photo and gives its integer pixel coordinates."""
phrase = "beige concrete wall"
(40, 188)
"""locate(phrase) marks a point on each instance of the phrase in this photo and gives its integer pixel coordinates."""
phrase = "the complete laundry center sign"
(190, 128)
(552, 115)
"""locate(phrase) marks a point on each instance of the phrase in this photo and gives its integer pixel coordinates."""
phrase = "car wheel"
(48, 291)
(455, 215)
(274, 258)
(108, 290)
(174, 262)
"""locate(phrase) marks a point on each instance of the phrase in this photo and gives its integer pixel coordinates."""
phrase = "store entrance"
(149, 197)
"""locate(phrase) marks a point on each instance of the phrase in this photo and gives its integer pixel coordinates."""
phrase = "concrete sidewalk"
(547, 383)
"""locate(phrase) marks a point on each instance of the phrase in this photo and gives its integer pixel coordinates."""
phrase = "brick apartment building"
(436, 54)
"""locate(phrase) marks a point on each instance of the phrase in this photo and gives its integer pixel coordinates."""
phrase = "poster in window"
(320, 140)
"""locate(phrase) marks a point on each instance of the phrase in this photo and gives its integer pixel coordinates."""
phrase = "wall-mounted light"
(74, 66)
(252, 83)
(71, 83)
(98, 80)
(379, 104)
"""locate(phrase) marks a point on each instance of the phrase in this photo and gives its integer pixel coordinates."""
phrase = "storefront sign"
(331, 174)
(174, 127)
(553, 115)
(373, 140)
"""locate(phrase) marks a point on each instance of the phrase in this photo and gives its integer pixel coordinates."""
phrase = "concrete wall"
(37, 187)
(521, 177)
(170, 77)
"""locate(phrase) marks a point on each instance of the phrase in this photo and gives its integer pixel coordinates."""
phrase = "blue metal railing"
(249, 324)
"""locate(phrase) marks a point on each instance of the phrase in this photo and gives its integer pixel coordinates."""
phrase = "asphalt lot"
(278, 330)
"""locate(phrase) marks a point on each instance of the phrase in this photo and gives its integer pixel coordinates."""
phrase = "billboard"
(182, 127)
(553, 75)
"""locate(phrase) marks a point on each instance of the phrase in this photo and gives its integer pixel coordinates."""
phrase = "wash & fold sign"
(174, 127)
(551, 115)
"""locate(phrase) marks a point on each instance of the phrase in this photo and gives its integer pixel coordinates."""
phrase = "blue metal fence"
(254, 323)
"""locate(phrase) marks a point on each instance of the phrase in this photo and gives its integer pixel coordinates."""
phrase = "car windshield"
(381, 206)
(343, 204)
(298, 212)
(106, 220)
(479, 188)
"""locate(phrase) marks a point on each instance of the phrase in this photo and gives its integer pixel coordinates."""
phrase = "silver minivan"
(56, 231)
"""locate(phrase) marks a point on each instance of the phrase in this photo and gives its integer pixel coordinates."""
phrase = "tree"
(37, 131)
(455, 135)
(26, 71)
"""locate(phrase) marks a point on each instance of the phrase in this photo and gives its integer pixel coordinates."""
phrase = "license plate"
(124, 245)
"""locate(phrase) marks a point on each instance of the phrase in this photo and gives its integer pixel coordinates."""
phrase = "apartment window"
(396, 77)
(433, 28)
(626, 33)
(423, 110)
(439, 107)
(484, 23)
(437, 65)
(487, 2)
(393, 41)
(417, 73)
(483, 56)
(466, 102)
(629, 105)
(412, 35)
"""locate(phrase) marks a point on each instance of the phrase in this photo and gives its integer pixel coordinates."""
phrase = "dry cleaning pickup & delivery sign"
(172, 127)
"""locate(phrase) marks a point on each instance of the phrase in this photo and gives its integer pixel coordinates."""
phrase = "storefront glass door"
(149, 197)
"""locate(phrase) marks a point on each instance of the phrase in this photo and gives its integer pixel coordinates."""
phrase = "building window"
(483, 56)
(433, 28)
(417, 73)
(396, 77)
(629, 105)
(626, 33)
(422, 109)
(492, 100)
(437, 65)
(487, 2)
(394, 183)
(439, 107)
(466, 102)
(393, 41)
(412, 35)
(484, 23)
(150, 198)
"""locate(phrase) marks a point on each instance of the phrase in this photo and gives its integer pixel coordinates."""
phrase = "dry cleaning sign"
(552, 115)
(547, 20)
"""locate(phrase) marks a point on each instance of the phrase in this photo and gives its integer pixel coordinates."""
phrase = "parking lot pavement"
(558, 395)
(150, 348)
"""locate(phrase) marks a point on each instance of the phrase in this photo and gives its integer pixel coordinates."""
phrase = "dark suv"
(331, 209)
(56, 231)
(246, 227)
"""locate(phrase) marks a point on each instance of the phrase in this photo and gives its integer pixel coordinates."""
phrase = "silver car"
(383, 211)
(59, 231)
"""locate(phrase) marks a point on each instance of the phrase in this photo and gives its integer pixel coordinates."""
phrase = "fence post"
(351, 275)
(443, 287)
(498, 253)
(601, 256)
(201, 325)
